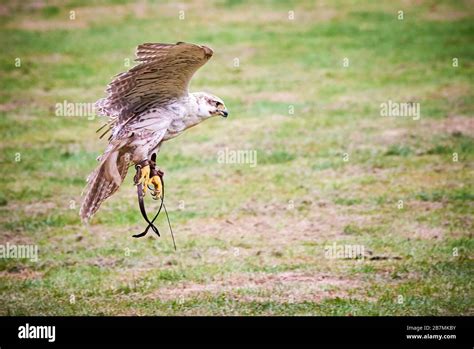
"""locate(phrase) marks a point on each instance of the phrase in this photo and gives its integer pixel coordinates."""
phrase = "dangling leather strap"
(140, 194)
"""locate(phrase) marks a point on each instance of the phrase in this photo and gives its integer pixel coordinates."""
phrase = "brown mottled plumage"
(146, 106)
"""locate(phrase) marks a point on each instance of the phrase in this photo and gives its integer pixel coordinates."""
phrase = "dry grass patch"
(285, 287)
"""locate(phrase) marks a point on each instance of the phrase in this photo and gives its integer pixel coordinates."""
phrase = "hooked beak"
(224, 113)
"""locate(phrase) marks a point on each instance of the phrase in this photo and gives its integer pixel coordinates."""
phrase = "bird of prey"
(146, 106)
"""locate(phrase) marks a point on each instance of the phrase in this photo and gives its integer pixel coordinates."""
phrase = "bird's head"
(210, 105)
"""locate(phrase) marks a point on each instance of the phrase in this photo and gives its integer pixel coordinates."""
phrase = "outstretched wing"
(163, 75)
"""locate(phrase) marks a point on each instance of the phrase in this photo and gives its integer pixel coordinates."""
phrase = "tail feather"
(103, 182)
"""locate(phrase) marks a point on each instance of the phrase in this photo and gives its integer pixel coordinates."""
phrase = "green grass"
(251, 239)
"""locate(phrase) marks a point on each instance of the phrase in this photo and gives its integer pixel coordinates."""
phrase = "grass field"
(305, 94)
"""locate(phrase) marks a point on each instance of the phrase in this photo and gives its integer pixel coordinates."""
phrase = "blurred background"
(306, 84)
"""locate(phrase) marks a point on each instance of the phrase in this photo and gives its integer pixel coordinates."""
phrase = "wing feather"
(162, 75)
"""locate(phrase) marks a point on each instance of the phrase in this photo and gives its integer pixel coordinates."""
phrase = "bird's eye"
(219, 105)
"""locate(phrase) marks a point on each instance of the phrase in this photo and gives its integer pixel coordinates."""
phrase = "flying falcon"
(146, 106)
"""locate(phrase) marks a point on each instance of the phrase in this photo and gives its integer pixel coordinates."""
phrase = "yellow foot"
(156, 181)
(144, 178)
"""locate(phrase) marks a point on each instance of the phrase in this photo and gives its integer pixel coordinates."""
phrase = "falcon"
(146, 106)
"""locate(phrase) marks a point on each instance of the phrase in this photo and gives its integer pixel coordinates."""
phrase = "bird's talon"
(156, 182)
(144, 178)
